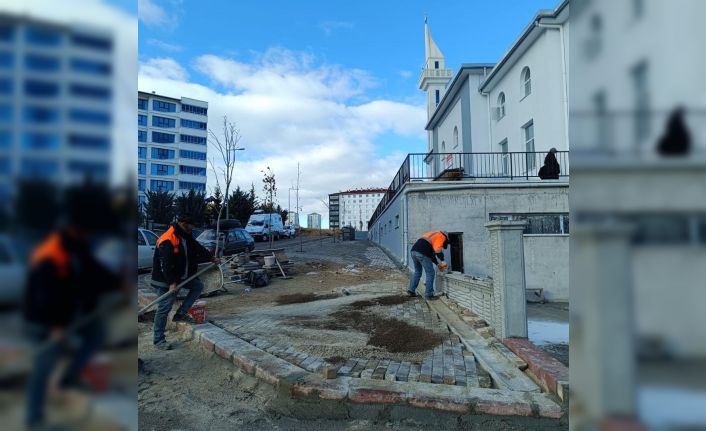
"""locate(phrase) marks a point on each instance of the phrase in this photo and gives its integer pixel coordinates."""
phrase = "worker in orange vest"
(425, 253)
(65, 283)
(176, 258)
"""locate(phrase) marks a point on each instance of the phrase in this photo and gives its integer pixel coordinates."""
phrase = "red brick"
(547, 369)
(445, 405)
(503, 407)
(622, 424)
(376, 396)
(244, 364)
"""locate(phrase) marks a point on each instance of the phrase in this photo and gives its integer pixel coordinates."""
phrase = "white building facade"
(353, 208)
(313, 221)
(56, 103)
(172, 144)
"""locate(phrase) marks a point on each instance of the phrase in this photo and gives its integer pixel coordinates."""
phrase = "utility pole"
(298, 210)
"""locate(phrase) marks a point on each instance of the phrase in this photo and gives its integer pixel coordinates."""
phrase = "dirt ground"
(187, 389)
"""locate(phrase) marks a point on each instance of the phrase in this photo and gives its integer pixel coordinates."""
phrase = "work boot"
(185, 318)
(431, 298)
(163, 345)
(411, 294)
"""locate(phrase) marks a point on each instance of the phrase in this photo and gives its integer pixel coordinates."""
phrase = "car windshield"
(257, 223)
(151, 238)
(208, 235)
(247, 235)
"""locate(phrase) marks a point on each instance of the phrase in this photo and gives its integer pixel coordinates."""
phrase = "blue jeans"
(195, 287)
(44, 362)
(422, 262)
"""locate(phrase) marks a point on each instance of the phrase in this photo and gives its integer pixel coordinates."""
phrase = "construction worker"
(424, 256)
(176, 258)
(65, 283)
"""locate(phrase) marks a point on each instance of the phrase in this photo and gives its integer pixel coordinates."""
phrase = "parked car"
(290, 231)
(196, 232)
(146, 242)
(232, 239)
(262, 225)
(12, 272)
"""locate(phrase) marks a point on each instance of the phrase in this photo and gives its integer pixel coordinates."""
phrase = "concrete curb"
(551, 374)
(294, 381)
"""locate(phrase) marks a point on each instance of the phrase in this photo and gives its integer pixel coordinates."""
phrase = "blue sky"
(329, 84)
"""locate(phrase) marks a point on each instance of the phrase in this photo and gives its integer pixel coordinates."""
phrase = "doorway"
(456, 251)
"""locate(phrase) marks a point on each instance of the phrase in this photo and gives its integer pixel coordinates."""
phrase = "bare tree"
(270, 188)
(226, 146)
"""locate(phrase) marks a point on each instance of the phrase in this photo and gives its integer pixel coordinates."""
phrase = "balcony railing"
(467, 166)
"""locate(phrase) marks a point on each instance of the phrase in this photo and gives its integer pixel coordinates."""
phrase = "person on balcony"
(551, 168)
(424, 256)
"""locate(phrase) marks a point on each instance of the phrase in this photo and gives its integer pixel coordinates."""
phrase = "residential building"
(353, 207)
(490, 127)
(56, 102)
(313, 221)
(172, 145)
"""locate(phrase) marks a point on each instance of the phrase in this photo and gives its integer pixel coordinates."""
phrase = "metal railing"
(419, 167)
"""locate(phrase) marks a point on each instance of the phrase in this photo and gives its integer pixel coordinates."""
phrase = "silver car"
(146, 242)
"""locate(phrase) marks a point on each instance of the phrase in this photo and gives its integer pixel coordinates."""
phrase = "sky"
(330, 86)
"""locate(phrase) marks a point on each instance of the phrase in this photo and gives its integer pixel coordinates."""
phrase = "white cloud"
(330, 26)
(164, 45)
(154, 15)
(405, 74)
(166, 68)
(289, 110)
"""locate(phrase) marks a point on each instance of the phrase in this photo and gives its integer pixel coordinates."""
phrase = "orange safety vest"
(436, 239)
(52, 249)
(171, 236)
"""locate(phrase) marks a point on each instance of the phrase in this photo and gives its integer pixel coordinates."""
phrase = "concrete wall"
(468, 292)
(547, 265)
(466, 210)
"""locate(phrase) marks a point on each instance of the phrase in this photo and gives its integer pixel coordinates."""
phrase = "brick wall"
(474, 294)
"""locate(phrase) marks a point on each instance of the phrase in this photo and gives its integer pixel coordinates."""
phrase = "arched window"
(455, 138)
(526, 81)
(501, 105)
(443, 146)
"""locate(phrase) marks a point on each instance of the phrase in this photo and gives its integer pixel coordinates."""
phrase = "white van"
(262, 225)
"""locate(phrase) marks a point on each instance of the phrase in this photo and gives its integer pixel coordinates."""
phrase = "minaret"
(434, 75)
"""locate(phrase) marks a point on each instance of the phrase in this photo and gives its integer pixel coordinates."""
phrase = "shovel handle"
(144, 309)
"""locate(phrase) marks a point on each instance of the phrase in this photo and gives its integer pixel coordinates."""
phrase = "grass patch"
(383, 300)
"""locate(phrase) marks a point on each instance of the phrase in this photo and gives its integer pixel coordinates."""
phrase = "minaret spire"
(434, 76)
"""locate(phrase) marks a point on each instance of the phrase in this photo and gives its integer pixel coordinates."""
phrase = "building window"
(142, 120)
(89, 91)
(92, 42)
(39, 141)
(638, 8)
(528, 131)
(189, 139)
(41, 115)
(141, 185)
(142, 104)
(641, 120)
(40, 36)
(158, 105)
(194, 109)
(141, 168)
(193, 124)
(7, 59)
(192, 170)
(93, 68)
(42, 63)
(187, 185)
(167, 123)
(397, 222)
(539, 223)
(163, 186)
(157, 169)
(92, 142)
(36, 88)
(6, 86)
(7, 32)
(141, 152)
(141, 136)
(196, 155)
(436, 64)
(526, 82)
(504, 157)
(500, 110)
(163, 138)
(162, 154)
(436, 96)
(455, 138)
(89, 116)
(39, 168)
(98, 170)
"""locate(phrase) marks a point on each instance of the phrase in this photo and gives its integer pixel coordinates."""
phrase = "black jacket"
(424, 247)
(56, 294)
(169, 267)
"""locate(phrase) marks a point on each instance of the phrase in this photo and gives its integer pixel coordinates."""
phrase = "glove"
(443, 266)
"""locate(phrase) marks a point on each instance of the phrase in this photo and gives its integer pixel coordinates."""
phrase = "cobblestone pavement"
(448, 363)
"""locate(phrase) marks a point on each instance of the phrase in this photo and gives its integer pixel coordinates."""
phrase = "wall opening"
(456, 251)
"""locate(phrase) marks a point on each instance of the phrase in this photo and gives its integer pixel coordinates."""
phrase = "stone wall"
(469, 292)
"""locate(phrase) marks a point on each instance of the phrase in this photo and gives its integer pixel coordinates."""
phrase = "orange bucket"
(198, 312)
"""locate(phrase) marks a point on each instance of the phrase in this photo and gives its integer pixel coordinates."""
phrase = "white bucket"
(269, 261)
